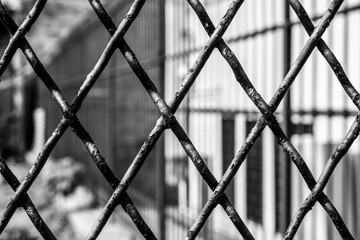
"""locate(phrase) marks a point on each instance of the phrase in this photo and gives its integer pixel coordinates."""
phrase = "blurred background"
(217, 115)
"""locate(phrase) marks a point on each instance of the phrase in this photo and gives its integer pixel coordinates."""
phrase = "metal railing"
(167, 120)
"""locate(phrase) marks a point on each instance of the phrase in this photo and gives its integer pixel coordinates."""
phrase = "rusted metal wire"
(336, 157)
(165, 110)
(27, 204)
(327, 53)
(288, 148)
(167, 119)
(352, 134)
(71, 119)
(20, 32)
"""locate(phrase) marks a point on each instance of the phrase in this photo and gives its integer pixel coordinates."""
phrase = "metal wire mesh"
(168, 120)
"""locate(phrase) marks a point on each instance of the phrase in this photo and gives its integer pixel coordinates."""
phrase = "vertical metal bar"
(18, 92)
(111, 115)
(160, 163)
(285, 162)
(188, 43)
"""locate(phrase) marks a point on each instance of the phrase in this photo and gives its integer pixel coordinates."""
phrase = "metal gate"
(168, 121)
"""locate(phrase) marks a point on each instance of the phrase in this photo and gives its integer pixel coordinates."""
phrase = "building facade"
(219, 116)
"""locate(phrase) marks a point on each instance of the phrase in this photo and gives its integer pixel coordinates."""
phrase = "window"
(228, 145)
(254, 194)
(279, 186)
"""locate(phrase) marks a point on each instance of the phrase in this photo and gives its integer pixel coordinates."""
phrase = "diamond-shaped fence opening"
(180, 49)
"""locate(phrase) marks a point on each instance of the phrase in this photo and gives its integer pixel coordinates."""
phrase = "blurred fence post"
(160, 163)
(285, 162)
